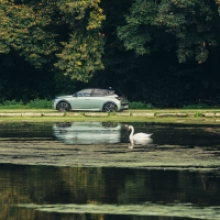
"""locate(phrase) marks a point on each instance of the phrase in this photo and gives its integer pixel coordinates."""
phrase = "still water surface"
(111, 132)
(86, 193)
(96, 132)
(69, 192)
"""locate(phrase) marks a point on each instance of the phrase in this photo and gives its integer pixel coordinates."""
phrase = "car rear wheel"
(63, 106)
(110, 107)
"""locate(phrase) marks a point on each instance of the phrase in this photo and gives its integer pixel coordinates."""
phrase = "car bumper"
(124, 107)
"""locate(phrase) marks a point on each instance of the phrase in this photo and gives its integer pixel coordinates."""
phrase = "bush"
(13, 104)
(140, 105)
(197, 106)
(39, 103)
(36, 103)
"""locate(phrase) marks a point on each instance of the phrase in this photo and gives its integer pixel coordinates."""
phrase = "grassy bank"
(41, 110)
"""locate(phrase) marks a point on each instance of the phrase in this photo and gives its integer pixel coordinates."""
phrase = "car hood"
(111, 96)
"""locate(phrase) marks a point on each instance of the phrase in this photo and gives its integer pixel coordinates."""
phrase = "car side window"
(99, 93)
(84, 93)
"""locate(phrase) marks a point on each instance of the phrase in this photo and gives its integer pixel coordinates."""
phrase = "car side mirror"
(75, 95)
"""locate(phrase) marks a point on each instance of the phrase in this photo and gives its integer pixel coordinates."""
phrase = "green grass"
(47, 104)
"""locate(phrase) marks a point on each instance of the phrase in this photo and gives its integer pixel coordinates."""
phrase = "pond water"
(37, 181)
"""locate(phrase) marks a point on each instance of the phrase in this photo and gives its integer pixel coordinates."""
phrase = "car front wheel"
(63, 106)
(110, 107)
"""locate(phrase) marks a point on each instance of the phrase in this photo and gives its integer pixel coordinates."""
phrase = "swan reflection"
(143, 142)
(87, 132)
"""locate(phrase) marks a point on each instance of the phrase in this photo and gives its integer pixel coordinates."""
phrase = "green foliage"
(81, 55)
(33, 104)
(192, 23)
(137, 33)
(33, 31)
(39, 103)
(140, 105)
(23, 30)
(144, 49)
(11, 104)
(198, 106)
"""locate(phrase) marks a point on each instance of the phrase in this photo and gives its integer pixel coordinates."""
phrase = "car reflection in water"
(88, 132)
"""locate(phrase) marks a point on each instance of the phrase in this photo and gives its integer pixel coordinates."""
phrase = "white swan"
(139, 138)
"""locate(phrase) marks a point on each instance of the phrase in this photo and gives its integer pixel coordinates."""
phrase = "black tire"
(63, 106)
(110, 107)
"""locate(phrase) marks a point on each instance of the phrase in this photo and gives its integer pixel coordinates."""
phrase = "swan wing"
(141, 135)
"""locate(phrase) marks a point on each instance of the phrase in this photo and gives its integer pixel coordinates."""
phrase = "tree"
(82, 53)
(57, 40)
(24, 32)
(54, 46)
(192, 26)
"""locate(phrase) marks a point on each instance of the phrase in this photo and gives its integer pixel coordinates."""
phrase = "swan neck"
(132, 132)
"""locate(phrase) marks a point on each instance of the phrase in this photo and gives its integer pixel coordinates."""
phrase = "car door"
(97, 98)
(81, 100)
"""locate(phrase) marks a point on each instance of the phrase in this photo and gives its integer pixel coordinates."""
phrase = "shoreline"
(152, 116)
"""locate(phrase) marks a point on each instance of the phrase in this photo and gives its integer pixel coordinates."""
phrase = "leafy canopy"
(189, 26)
(81, 55)
(23, 30)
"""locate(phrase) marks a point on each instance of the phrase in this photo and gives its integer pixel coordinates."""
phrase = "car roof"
(96, 88)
